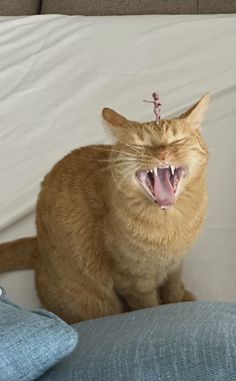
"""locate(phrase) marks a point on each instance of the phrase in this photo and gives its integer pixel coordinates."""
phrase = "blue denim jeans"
(176, 342)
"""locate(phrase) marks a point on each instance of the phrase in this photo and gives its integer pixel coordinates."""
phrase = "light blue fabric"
(178, 342)
(31, 342)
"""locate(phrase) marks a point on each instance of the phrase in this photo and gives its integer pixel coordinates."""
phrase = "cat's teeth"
(155, 171)
(172, 168)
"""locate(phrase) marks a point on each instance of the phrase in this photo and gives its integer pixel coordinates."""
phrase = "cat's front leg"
(173, 290)
(137, 295)
(142, 300)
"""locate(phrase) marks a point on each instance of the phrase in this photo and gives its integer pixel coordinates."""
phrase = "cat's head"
(159, 159)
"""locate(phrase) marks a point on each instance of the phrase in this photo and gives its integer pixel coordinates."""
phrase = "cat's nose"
(163, 154)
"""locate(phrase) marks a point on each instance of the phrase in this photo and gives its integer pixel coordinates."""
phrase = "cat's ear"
(195, 115)
(117, 124)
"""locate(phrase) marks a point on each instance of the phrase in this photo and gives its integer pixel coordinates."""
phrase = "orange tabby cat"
(114, 221)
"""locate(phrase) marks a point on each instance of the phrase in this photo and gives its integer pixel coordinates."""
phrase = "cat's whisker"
(120, 166)
(143, 156)
(121, 181)
(117, 160)
(116, 151)
(130, 146)
(126, 160)
(125, 177)
(140, 152)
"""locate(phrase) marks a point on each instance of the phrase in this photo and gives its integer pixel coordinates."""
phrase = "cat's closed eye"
(181, 141)
(173, 143)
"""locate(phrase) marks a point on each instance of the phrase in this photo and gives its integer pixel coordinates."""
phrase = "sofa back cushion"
(19, 7)
(118, 7)
(217, 6)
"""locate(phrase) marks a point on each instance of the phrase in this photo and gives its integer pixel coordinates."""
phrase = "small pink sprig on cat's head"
(157, 106)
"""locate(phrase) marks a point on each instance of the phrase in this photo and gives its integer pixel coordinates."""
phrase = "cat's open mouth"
(162, 183)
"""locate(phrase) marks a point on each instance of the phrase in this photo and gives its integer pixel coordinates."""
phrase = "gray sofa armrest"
(177, 342)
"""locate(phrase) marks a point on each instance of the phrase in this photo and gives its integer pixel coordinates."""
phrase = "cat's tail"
(18, 255)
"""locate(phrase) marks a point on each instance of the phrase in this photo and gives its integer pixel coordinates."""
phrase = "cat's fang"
(155, 171)
(172, 168)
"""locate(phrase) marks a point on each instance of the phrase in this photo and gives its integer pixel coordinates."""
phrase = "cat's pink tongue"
(163, 189)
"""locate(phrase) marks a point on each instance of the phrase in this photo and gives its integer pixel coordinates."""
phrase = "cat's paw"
(175, 293)
(188, 296)
(170, 294)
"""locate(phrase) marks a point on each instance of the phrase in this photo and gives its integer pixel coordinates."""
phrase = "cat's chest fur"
(144, 240)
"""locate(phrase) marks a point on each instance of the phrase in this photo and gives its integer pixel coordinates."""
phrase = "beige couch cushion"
(19, 7)
(119, 7)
